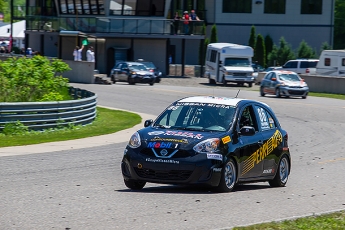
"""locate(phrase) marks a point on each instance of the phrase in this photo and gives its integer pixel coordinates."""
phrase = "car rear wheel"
(282, 173)
(262, 93)
(113, 79)
(277, 92)
(151, 83)
(250, 84)
(130, 81)
(211, 81)
(135, 185)
(228, 178)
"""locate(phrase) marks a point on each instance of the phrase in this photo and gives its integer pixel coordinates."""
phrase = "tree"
(252, 40)
(268, 45)
(214, 36)
(260, 50)
(325, 46)
(305, 51)
(339, 24)
(281, 54)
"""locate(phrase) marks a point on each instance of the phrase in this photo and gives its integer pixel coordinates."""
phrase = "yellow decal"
(226, 139)
(262, 152)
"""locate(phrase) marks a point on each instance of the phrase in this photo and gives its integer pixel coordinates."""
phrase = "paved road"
(76, 186)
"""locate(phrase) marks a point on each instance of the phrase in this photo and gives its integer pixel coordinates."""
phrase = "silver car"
(284, 83)
(132, 72)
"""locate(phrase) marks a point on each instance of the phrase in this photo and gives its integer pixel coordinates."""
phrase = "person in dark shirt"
(193, 18)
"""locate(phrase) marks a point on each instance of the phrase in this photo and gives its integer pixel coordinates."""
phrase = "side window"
(327, 62)
(304, 64)
(247, 118)
(266, 120)
(291, 64)
(273, 75)
(268, 76)
(343, 62)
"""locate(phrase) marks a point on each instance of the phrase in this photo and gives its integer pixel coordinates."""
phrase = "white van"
(227, 62)
(331, 63)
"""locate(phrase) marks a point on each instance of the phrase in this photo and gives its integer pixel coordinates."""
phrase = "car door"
(269, 152)
(266, 82)
(272, 83)
(249, 165)
(124, 72)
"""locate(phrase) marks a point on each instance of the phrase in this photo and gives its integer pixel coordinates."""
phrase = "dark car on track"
(214, 141)
(132, 72)
(152, 68)
(283, 83)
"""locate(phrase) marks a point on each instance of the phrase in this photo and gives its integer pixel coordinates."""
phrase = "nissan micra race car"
(214, 141)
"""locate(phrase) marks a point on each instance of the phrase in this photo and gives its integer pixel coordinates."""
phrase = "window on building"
(327, 62)
(81, 7)
(343, 62)
(275, 6)
(237, 6)
(311, 7)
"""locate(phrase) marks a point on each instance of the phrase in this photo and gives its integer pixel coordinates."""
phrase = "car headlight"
(135, 141)
(159, 74)
(207, 146)
(133, 72)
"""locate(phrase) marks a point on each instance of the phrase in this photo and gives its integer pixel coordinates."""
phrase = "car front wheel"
(282, 174)
(277, 92)
(262, 93)
(135, 185)
(228, 178)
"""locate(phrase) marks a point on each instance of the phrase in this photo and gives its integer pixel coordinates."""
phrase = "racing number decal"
(263, 118)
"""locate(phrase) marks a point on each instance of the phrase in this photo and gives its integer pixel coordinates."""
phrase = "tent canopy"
(18, 30)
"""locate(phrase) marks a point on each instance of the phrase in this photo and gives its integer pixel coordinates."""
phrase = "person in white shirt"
(90, 54)
(77, 53)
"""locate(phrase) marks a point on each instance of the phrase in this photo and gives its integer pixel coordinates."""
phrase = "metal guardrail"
(43, 115)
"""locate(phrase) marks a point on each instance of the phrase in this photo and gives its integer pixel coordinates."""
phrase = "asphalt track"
(78, 184)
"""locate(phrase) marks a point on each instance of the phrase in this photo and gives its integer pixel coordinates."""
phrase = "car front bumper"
(239, 79)
(294, 92)
(143, 79)
(196, 170)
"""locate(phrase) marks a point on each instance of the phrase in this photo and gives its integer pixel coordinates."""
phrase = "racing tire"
(228, 178)
(211, 81)
(151, 83)
(282, 174)
(134, 185)
(224, 81)
(304, 97)
(262, 93)
(277, 92)
(250, 84)
(130, 81)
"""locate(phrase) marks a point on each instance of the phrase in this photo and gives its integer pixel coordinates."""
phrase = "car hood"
(294, 83)
(184, 138)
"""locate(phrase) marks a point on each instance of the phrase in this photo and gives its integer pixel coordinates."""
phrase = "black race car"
(215, 141)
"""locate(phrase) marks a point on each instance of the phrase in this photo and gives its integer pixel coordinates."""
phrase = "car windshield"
(237, 62)
(137, 67)
(149, 65)
(289, 77)
(196, 116)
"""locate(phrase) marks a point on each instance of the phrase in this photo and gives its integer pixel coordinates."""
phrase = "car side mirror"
(147, 123)
(273, 79)
(247, 131)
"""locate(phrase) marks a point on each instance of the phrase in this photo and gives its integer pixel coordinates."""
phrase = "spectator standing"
(186, 22)
(90, 55)
(77, 53)
(177, 19)
(29, 52)
(193, 18)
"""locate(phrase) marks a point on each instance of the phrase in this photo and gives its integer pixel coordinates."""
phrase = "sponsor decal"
(173, 108)
(184, 134)
(215, 156)
(204, 104)
(182, 141)
(217, 169)
(268, 171)
(263, 118)
(156, 133)
(165, 145)
(226, 139)
(168, 161)
(164, 152)
(260, 154)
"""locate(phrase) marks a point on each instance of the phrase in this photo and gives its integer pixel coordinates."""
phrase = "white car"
(301, 66)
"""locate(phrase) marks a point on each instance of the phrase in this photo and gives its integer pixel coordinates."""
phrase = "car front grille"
(173, 175)
(179, 154)
(296, 92)
(239, 74)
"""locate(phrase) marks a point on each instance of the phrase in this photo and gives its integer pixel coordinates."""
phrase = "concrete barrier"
(325, 84)
(82, 72)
